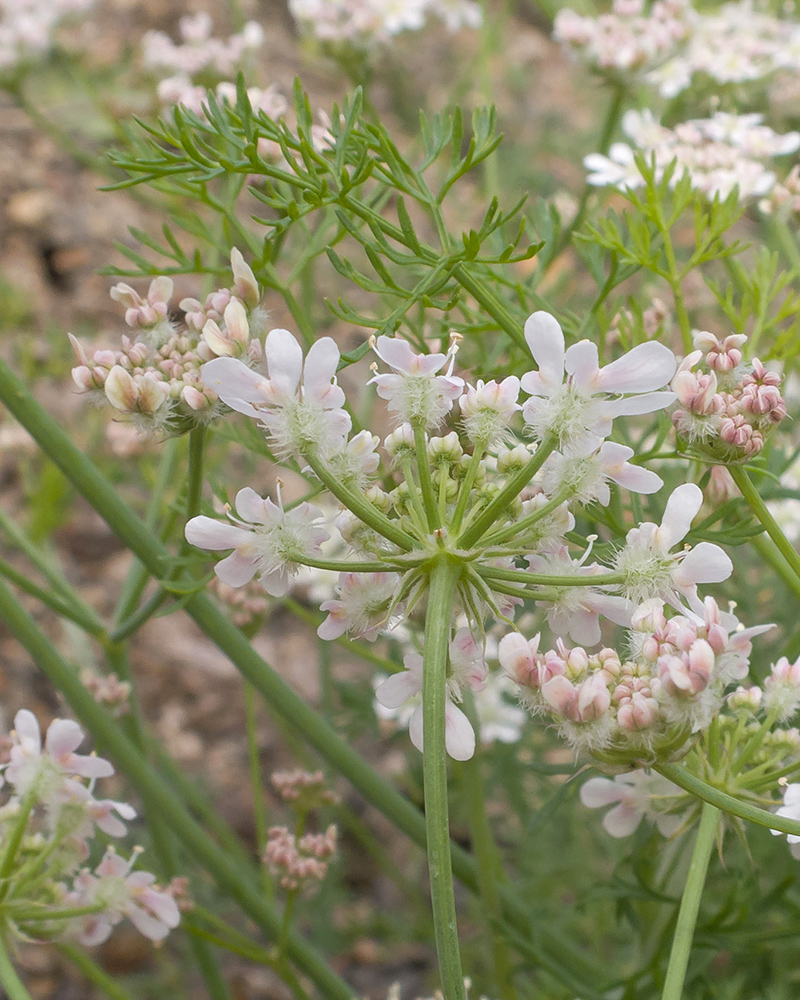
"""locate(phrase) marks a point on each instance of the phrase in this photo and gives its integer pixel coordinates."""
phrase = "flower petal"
(319, 372)
(208, 533)
(646, 367)
(396, 690)
(236, 570)
(459, 736)
(284, 361)
(231, 379)
(681, 510)
(622, 820)
(581, 361)
(599, 792)
(546, 341)
(705, 563)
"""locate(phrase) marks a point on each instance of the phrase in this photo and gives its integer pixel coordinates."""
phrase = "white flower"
(791, 810)
(587, 475)
(639, 795)
(362, 606)
(268, 540)
(500, 717)
(300, 404)
(578, 409)
(122, 893)
(653, 572)
(467, 667)
(49, 772)
(415, 393)
(488, 409)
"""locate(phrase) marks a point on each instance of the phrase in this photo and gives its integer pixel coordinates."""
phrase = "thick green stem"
(512, 488)
(9, 980)
(443, 584)
(751, 495)
(690, 903)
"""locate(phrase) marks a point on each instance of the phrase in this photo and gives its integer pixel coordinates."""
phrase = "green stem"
(88, 622)
(543, 580)
(751, 495)
(194, 486)
(413, 494)
(425, 481)
(489, 871)
(443, 584)
(256, 779)
(511, 489)
(727, 803)
(466, 487)
(17, 833)
(524, 523)
(9, 980)
(690, 903)
(92, 971)
(360, 506)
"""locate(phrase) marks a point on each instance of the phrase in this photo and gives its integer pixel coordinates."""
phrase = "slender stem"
(110, 985)
(524, 523)
(443, 584)
(354, 566)
(512, 488)
(256, 779)
(727, 803)
(11, 845)
(466, 487)
(194, 486)
(135, 621)
(690, 902)
(9, 980)
(543, 580)
(489, 872)
(88, 622)
(751, 495)
(425, 481)
(418, 510)
(360, 506)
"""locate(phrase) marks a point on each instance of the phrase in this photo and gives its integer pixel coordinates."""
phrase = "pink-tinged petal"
(681, 510)
(252, 507)
(581, 362)
(622, 820)
(207, 533)
(231, 379)
(646, 402)
(459, 736)
(162, 906)
(64, 736)
(638, 480)
(94, 930)
(320, 368)
(146, 924)
(584, 627)
(336, 623)
(705, 563)
(546, 341)
(561, 695)
(646, 367)
(396, 690)
(398, 354)
(236, 570)
(27, 729)
(596, 793)
(89, 767)
(284, 361)
(415, 724)
(277, 582)
(617, 609)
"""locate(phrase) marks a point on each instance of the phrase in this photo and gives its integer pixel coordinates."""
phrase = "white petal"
(681, 510)
(636, 479)
(252, 507)
(320, 368)
(705, 563)
(646, 367)
(208, 533)
(27, 727)
(581, 361)
(415, 725)
(459, 736)
(396, 690)
(622, 820)
(236, 570)
(63, 737)
(277, 582)
(232, 379)
(599, 792)
(546, 341)
(284, 361)
(646, 402)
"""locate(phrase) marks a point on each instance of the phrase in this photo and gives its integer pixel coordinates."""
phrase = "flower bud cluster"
(50, 817)
(718, 154)
(628, 37)
(304, 789)
(364, 23)
(108, 690)
(640, 707)
(299, 861)
(726, 406)
(156, 377)
(27, 29)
